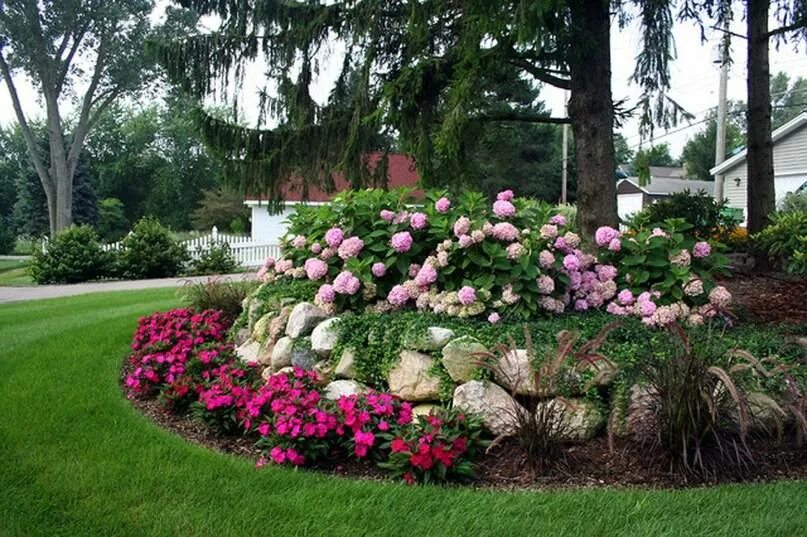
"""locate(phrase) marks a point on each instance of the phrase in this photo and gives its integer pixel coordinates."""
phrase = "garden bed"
(769, 298)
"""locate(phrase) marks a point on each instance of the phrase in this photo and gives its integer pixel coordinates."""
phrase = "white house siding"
(628, 204)
(790, 169)
(268, 228)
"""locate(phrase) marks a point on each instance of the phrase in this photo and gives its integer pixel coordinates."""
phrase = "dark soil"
(769, 298)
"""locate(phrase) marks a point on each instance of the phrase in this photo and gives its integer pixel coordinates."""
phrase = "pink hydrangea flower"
(334, 237)
(401, 217)
(426, 276)
(545, 284)
(615, 309)
(558, 220)
(269, 262)
(350, 247)
(720, 296)
(615, 245)
(546, 259)
(316, 248)
(282, 265)
(494, 318)
(401, 242)
(326, 294)
(505, 195)
(605, 234)
(387, 215)
(466, 295)
(398, 295)
(505, 231)
(625, 297)
(346, 283)
(701, 249)
(379, 269)
(315, 269)
(327, 253)
(298, 241)
(548, 231)
(658, 232)
(606, 272)
(414, 268)
(580, 304)
(462, 226)
(503, 209)
(418, 220)
(515, 250)
(261, 274)
(465, 241)
(681, 259)
(646, 308)
(442, 205)
(571, 262)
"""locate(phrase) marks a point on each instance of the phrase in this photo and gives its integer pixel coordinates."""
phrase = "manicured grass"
(77, 459)
(14, 272)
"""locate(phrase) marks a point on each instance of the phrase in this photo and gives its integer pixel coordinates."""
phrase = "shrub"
(785, 241)
(149, 251)
(794, 201)
(707, 217)
(217, 258)
(216, 294)
(8, 238)
(74, 255)
(112, 223)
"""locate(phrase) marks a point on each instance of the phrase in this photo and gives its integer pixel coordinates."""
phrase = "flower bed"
(514, 259)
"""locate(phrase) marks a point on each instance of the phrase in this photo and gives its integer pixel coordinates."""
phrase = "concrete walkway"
(19, 294)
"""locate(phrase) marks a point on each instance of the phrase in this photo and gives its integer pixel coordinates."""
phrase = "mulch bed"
(769, 298)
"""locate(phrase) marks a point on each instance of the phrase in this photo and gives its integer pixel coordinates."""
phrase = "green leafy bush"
(785, 241)
(73, 256)
(216, 294)
(794, 201)
(708, 218)
(8, 238)
(150, 251)
(112, 223)
(217, 258)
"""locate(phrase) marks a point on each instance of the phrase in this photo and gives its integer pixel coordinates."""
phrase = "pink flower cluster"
(315, 269)
(350, 247)
(401, 242)
(346, 283)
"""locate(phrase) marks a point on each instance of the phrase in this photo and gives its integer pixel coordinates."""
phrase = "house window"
(737, 181)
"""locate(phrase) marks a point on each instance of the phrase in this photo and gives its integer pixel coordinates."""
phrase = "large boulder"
(277, 326)
(242, 336)
(515, 372)
(261, 328)
(411, 379)
(578, 419)
(346, 366)
(603, 372)
(338, 388)
(498, 411)
(249, 351)
(766, 414)
(265, 352)
(304, 317)
(281, 353)
(303, 357)
(462, 356)
(254, 307)
(324, 337)
(433, 338)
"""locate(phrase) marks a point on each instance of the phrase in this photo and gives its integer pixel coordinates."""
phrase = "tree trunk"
(761, 192)
(592, 115)
(59, 169)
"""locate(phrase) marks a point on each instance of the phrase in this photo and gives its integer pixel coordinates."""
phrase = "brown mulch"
(769, 298)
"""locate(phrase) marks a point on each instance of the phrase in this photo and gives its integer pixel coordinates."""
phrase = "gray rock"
(461, 357)
(261, 327)
(254, 308)
(277, 326)
(515, 372)
(338, 388)
(242, 336)
(498, 411)
(605, 372)
(411, 380)
(433, 339)
(265, 353)
(249, 351)
(579, 420)
(304, 358)
(304, 317)
(324, 337)
(281, 353)
(424, 409)
(346, 366)
(766, 414)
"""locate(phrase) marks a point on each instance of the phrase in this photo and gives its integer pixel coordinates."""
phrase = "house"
(789, 165)
(664, 181)
(269, 225)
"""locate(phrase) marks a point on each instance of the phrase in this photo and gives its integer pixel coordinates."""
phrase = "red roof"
(401, 172)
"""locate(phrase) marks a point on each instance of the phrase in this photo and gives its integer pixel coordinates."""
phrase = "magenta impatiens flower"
(401, 242)
(466, 295)
(442, 205)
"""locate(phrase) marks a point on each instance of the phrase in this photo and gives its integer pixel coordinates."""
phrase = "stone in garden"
(285, 370)
(516, 373)
(433, 338)
(304, 357)
(580, 420)
(277, 326)
(324, 370)
(462, 356)
(249, 351)
(253, 311)
(339, 388)
(604, 371)
(495, 407)
(424, 409)
(281, 353)
(242, 336)
(411, 379)
(641, 420)
(265, 353)
(261, 328)
(324, 337)
(304, 317)
(765, 413)
(346, 366)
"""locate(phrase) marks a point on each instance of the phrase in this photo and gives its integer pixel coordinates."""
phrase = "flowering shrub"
(223, 393)
(173, 350)
(440, 446)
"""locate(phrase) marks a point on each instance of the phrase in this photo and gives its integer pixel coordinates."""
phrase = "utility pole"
(720, 142)
(565, 151)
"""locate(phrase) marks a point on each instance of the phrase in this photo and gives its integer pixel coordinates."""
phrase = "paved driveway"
(36, 292)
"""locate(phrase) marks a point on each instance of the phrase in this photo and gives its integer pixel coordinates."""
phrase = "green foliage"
(698, 155)
(657, 155)
(272, 296)
(225, 296)
(216, 258)
(8, 239)
(794, 201)
(74, 255)
(787, 98)
(150, 251)
(112, 222)
(220, 208)
(785, 240)
(708, 218)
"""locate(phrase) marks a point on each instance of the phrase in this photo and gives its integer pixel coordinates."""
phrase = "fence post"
(45, 244)
(215, 233)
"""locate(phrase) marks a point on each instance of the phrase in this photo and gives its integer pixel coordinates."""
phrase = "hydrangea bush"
(516, 257)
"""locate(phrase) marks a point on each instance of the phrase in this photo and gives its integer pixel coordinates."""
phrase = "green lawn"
(13, 272)
(76, 459)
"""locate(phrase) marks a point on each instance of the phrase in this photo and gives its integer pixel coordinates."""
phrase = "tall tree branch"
(798, 25)
(524, 117)
(541, 74)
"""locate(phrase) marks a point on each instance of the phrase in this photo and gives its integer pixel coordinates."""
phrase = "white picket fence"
(246, 252)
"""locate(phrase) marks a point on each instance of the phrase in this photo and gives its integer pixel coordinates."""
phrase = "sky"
(694, 75)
